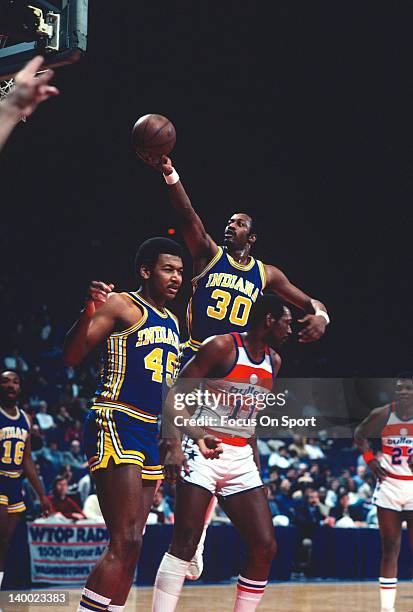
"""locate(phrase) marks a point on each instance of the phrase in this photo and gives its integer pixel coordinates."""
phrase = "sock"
(249, 594)
(1, 578)
(168, 583)
(92, 602)
(388, 588)
(113, 608)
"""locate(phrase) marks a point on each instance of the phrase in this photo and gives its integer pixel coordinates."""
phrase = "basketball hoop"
(7, 86)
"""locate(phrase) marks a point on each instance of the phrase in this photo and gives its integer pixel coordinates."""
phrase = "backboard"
(56, 29)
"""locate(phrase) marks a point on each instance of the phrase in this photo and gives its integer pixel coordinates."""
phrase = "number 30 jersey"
(137, 362)
(223, 294)
(397, 445)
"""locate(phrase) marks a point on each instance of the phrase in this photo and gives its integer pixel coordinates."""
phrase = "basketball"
(153, 136)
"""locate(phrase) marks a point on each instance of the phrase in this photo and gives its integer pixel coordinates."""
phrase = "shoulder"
(223, 342)
(275, 359)
(119, 303)
(26, 417)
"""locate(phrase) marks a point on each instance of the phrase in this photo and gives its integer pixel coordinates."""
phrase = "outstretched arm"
(371, 427)
(96, 322)
(316, 319)
(27, 92)
(199, 242)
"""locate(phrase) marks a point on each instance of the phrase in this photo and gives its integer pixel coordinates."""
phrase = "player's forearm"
(8, 121)
(75, 347)
(361, 440)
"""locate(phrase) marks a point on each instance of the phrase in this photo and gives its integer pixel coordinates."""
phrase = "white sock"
(1, 578)
(92, 602)
(388, 588)
(168, 583)
(113, 608)
(249, 594)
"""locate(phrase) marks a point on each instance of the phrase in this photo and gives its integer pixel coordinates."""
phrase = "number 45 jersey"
(223, 294)
(139, 360)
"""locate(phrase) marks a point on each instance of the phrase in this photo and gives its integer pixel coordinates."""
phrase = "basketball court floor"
(319, 596)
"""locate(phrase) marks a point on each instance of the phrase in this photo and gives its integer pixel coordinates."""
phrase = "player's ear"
(252, 238)
(144, 272)
(269, 320)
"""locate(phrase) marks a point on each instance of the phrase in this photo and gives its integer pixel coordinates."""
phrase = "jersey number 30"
(240, 308)
(154, 361)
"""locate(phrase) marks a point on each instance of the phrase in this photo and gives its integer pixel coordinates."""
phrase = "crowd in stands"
(310, 482)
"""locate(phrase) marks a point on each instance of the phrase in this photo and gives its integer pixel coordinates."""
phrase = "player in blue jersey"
(139, 338)
(15, 461)
(227, 279)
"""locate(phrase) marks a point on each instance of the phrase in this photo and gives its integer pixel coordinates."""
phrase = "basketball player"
(28, 91)
(243, 364)
(140, 340)
(227, 281)
(15, 461)
(393, 495)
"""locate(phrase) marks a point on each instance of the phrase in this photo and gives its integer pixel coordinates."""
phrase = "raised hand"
(314, 328)
(29, 90)
(161, 164)
(98, 293)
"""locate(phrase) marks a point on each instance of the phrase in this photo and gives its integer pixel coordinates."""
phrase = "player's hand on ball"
(377, 470)
(45, 505)
(314, 328)
(161, 164)
(174, 463)
(210, 446)
(97, 295)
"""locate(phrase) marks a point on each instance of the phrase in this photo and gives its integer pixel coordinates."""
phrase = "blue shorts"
(124, 434)
(11, 493)
(186, 352)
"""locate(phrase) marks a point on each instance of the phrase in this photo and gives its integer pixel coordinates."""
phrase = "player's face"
(404, 391)
(237, 232)
(167, 276)
(9, 386)
(281, 330)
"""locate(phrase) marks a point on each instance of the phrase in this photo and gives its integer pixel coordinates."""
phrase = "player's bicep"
(372, 425)
(205, 360)
(279, 283)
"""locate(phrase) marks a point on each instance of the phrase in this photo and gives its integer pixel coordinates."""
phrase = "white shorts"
(394, 494)
(234, 471)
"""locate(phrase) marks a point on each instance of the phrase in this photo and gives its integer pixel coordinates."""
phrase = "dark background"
(300, 113)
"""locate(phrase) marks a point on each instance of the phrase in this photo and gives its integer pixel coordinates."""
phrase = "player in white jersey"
(238, 371)
(393, 496)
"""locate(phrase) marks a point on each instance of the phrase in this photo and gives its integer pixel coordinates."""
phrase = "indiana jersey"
(139, 360)
(397, 445)
(235, 399)
(14, 431)
(223, 294)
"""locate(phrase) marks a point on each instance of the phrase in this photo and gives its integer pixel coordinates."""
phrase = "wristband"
(172, 178)
(322, 313)
(368, 456)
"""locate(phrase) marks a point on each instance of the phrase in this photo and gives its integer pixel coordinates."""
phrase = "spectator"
(297, 446)
(280, 458)
(73, 485)
(36, 438)
(44, 419)
(360, 476)
(61, 503)
(63, 419)
(15, 362)
(85, 487)
(322, 494)
(313, 449)
(160, 511)
(284, 500)
(30, 497)
(75, 432)
(75, 458)
(308, 517)
(343, 509)
(51, 455)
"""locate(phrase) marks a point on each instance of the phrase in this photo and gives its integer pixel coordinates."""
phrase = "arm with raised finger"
(97, 320)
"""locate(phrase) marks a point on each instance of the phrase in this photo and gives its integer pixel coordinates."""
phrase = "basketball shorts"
(394, 494)
(11, 494)
(234, 471)
(120, 433)
(186, 352)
